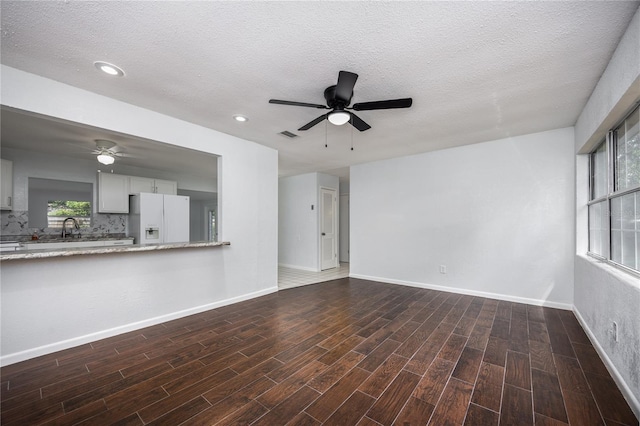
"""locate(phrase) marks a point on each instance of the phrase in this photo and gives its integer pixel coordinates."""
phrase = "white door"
(328, 229)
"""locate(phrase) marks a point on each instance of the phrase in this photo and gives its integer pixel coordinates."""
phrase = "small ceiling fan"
(106, 151)
(338, 98)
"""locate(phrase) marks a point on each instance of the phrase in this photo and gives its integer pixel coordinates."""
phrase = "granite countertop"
(44, 254)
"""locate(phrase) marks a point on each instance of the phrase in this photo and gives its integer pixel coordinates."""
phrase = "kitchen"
(53, 303)
(47, 161)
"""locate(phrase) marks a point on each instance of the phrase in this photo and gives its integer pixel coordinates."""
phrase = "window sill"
(627, 276)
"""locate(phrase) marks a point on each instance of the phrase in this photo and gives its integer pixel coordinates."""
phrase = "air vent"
(288, 134)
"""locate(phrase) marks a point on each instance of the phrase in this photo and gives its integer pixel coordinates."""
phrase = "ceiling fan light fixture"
(339, 117)
(106, 158)
(109, 68)
(240, 118)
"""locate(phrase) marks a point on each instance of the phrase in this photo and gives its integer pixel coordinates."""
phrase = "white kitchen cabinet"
(167, 187)
(111, 243)
(139, 184)
(75, 244)
(6, 185)
(113, 193)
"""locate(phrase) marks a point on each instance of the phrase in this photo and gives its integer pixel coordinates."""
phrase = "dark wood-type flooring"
(344, 352)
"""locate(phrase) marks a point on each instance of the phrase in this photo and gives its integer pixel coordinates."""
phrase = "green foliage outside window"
(57, 211)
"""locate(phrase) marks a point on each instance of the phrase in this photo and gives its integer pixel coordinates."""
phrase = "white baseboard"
(302, 268)
(508, 298)
(92, 337)
(633, 401)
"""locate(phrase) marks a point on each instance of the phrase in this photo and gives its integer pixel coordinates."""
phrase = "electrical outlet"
(443, 269)
(614, 331)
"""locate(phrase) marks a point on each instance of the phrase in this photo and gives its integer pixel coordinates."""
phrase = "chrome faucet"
(64, 227)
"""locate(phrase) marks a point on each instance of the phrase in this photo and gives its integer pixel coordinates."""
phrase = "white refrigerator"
(159, 218)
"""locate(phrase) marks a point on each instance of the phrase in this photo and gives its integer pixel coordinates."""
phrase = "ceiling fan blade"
(388, 104)
(313, 123)
(358, 123)
(344, 88)
(302, 104)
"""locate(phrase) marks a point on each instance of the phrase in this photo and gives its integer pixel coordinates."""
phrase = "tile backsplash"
(16, 223)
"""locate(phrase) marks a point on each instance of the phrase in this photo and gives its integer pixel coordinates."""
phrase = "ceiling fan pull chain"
(325, 134)
(352, 133)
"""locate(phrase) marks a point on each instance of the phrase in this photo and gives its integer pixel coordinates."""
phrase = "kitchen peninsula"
(131, 248)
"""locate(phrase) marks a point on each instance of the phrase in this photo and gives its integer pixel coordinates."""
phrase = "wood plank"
(488, 388)
(500, 329)
(610, 400)
(541, 356)
(518, 370)
(415, 412)
(517, 408)
(434, 381)
(571, 376)
(182, 413)
(467, 367)
(340, 350)
(284, 389)
(377, 357)
(453, 405)
(330, 400)
(560, 344)
(289, 408)
(547, 396)
(327, 379)
(453, 348)
(477, 415)
(590, 360)
(383, 375)
(246, 415)
(351, 411)
(582, 409)
(496, 351)
(393, 398)
(232, 403)
(479, 337)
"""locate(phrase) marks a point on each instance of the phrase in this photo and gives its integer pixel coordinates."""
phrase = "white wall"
(602, 293)
(298, 223)
(499, 215)
(108, 294)
(344, 228)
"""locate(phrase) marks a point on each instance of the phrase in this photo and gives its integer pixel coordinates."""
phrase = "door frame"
(336, 223)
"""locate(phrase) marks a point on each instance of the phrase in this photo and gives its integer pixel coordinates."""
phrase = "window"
(58, 211)
(614, 206)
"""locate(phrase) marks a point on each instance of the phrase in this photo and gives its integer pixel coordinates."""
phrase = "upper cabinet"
(113, 193)
(157, 186)
(141, 184)
(166, 187)
(114, 190)
(6, 185)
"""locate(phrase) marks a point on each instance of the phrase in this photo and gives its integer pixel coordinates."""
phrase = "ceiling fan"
(106, 151)
(338, 98)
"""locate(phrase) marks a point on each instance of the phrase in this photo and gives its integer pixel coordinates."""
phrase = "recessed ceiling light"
(109, 68)
(240, 118)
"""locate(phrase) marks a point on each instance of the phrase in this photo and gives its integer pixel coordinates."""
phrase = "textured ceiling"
(477, 71)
